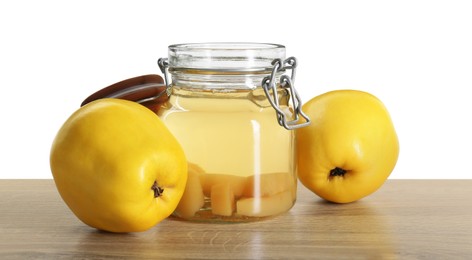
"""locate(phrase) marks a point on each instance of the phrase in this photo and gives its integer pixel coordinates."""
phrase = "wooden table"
(405, 219)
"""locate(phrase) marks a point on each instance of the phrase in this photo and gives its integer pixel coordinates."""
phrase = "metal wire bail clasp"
(163, 64)
(286, 82)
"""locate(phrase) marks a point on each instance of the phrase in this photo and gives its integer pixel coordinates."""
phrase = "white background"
(416, 56)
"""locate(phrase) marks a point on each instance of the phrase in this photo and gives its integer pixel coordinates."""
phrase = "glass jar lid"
(227, 56)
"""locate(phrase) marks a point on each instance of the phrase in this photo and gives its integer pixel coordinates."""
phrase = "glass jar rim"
(225, 56)
(226, 46)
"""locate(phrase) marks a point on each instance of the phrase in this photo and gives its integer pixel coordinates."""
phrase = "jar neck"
(219, 80)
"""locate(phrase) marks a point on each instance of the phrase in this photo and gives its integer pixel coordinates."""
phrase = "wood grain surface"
(405, 219)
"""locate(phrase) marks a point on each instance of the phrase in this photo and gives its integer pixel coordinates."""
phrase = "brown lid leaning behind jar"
(148, 90)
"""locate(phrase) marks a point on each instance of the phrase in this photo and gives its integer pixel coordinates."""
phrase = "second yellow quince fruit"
(350, 148)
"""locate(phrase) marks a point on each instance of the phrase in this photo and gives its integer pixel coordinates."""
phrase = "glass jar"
(231, 107)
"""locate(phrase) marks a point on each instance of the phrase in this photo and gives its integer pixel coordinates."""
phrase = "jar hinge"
(163, 64)
(286, 82)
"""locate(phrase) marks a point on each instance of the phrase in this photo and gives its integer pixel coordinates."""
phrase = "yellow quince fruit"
(349, 149)
(117, 166)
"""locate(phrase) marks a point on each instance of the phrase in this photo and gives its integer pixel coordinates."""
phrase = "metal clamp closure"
(164, 66)
(270, 88)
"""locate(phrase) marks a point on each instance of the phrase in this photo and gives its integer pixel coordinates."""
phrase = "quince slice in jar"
(264, 185)
(222, 199)
(265, 206)
(193, 198)
(237, 183)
